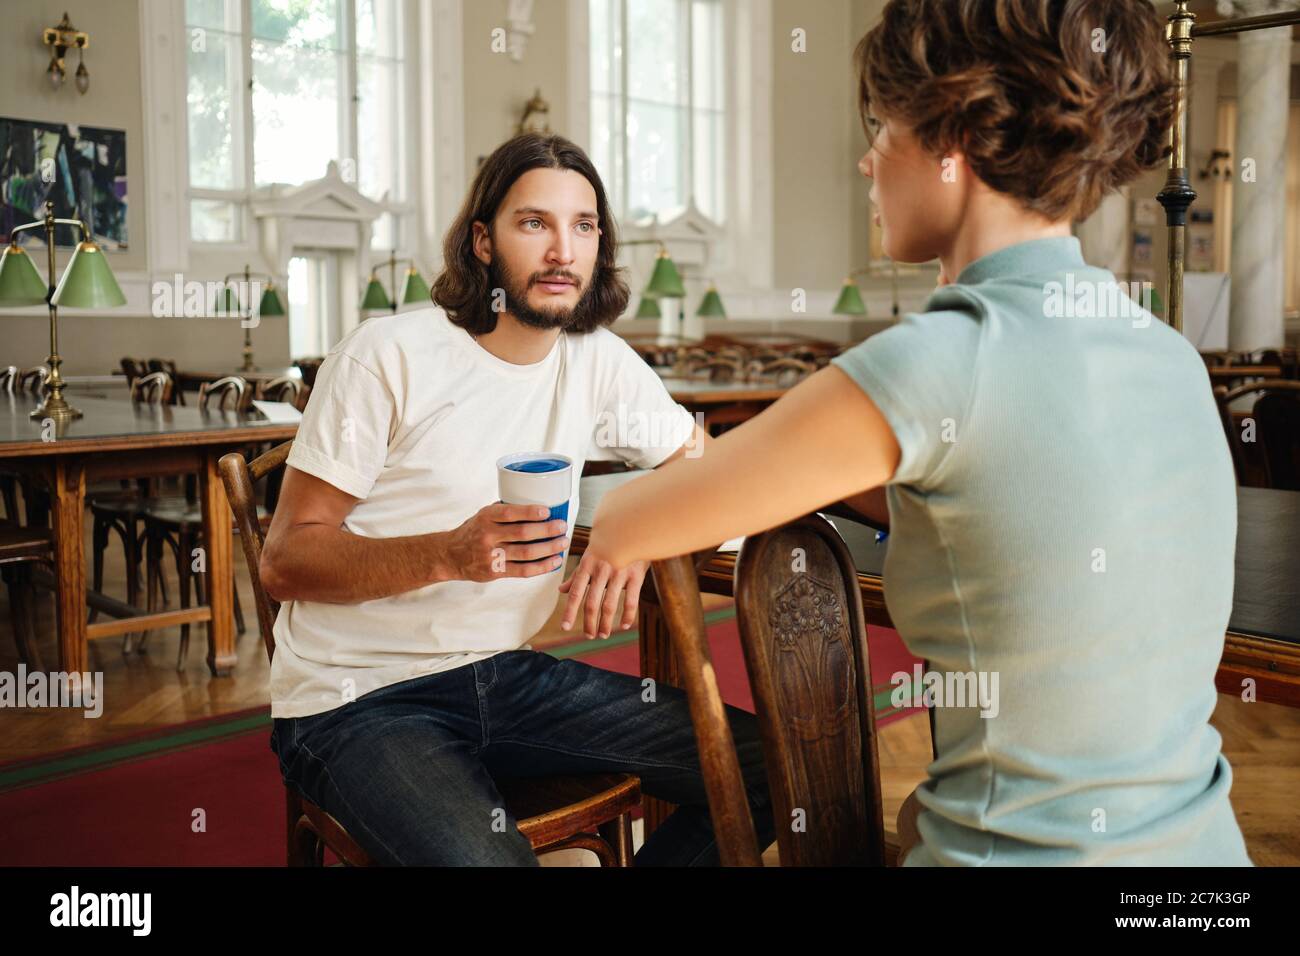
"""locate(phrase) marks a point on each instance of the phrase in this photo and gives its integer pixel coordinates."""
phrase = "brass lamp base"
(57, 408)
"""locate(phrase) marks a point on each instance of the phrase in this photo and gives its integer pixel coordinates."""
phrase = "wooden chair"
(16, 381)
(20, 550)
(804, 638)
(1288, 358)
(177, 395)
(32, 380)
(1285, 358)
(121, 511)
(1217, 358)
(308, 367)
(718, 370)
(153, 388)
(1253, 466)
(284, 389)
(689, 359)
(587, 812)
(734, 353)
(229, 394)
(132, 369)
(1277, 414)
(785, 372)
(177, 524)
(656, 349)
(294, 392)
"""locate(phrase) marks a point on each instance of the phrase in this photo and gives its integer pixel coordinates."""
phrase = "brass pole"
(1178, 194)
(248, 331)
(392, 279)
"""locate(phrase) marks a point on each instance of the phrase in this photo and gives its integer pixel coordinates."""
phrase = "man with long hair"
(402, 684)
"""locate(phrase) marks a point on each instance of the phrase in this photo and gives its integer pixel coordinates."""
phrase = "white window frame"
(434, 101)
(741, 251)
(404, 210)
(619, 188)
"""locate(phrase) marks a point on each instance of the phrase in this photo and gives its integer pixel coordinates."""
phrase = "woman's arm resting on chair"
(824, 441)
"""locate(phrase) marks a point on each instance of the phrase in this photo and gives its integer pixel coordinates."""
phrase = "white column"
(1259, 207)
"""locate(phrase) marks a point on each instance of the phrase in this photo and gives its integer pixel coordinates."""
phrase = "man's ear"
(482, 242)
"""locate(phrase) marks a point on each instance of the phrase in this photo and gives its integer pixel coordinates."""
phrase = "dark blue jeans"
(409, 769)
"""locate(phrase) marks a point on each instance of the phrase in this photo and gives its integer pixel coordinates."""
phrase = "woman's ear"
(482, 242)
(955, 158)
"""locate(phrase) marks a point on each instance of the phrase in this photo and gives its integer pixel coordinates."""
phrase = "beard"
(516, 298)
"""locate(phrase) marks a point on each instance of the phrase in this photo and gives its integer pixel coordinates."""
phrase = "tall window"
(658, 133)
(278, 88)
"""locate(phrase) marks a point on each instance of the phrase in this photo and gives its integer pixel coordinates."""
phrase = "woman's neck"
(992, 221)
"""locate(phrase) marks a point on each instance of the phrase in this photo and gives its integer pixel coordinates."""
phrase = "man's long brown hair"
(464, 289)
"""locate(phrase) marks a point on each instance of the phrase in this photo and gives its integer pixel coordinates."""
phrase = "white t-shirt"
(410, 414)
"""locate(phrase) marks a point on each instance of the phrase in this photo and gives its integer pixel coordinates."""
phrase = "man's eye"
(586, 227)
(529, 222)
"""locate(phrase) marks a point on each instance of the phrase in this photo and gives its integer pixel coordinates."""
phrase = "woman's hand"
(600, 583)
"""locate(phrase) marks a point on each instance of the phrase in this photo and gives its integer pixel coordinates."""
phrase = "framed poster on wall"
(82, 169)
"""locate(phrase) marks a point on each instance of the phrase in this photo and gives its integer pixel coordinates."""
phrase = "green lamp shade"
(1157, 304)
(20, 282)
(648, 309)
(88, 282)
(271, 304)
(416, 289)
(665, 281)
(376, 297)
(850, 300)
(712, 305)
(226, 302)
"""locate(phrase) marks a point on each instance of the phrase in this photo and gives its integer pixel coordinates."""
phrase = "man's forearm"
(314, 562)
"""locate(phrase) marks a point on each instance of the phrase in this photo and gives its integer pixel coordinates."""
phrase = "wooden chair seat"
(24, 544)
(550, 809)
(126, 502)
(554, 813)
(590, 812)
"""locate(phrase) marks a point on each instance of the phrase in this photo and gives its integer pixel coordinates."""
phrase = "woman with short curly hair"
(1061, 501)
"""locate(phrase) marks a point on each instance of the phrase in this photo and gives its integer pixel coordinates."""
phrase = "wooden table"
(721, 403)
(116, 439)
(1262, 641)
